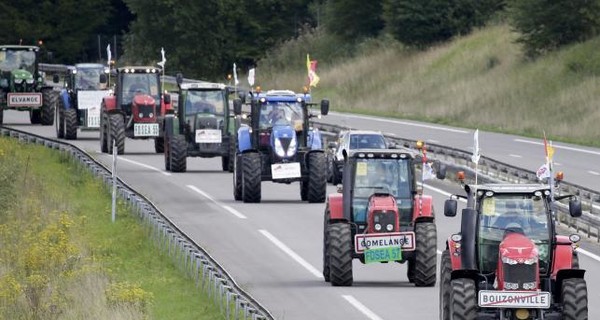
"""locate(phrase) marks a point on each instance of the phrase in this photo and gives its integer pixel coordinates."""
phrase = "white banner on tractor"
(91, 100)
(514, 299)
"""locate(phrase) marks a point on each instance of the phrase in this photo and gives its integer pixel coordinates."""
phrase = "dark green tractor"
(23, 87)
(203, 126)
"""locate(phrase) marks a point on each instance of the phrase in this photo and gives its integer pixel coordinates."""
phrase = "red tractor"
(507, 262)
(380, 216)
(135, 109)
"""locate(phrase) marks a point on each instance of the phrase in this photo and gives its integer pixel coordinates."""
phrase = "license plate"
(385, 254)
(208, 136)
(24, 99)
(286, 170)
(514, 299)
(145, 129)
(405, 240)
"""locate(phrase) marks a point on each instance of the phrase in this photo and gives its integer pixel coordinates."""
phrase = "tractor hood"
(284, 141)
(21, 75)
(518, 263)
(517, 248)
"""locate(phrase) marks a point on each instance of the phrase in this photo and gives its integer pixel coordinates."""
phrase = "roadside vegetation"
(61, 257)
(481, 80)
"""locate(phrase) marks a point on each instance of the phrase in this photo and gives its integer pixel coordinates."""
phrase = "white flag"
(235, 79)
(162, 62)
(251, 77)
(475, 156)
(543, 172)
(428, 171)
(108, 54)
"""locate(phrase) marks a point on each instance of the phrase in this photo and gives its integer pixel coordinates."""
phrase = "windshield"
(522, 212)
(380, 176)
(367, 141)
(205, 101)
(89, 79)
(140, 83)
(17, 59)
(281, 113)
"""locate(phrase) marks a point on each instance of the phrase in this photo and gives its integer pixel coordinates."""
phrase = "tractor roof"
(505, 188)
(18, 47)
(139, 69)
(402, 153)
(282, 95)
(203, 86)
(89, 66)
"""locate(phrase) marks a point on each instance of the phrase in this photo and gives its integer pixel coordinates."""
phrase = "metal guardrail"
(190, 257)
(491, 170)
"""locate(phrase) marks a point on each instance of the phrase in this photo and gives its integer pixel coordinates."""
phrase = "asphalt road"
(274, 249)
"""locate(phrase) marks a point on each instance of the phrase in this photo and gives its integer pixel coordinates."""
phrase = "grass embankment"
(479, 81)
(61, 257)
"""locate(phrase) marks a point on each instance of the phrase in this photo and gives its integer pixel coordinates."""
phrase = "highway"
(274, 249)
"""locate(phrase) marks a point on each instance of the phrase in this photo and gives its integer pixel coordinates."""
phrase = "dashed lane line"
(361, 307)
(144, 165)
(291, 253)
(209, 197)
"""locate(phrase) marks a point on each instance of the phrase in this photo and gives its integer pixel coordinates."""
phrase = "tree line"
(203, 38)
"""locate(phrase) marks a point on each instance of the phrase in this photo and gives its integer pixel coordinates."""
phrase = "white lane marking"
(361, 307)
(559, 147)
(594, 173)
(209, 197)
(399, 122)
(442, 192)
(515, 156)
(291, 253)
(432, 141)
(589, 254)
(145, 166)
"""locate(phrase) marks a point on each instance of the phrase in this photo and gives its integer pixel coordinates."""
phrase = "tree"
(354, 19)
(545, 25)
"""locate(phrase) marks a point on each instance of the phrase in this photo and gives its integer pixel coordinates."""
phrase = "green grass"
(62, 258)
(481, 80)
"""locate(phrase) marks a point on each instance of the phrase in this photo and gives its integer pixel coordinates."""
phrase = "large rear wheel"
(116, 133)
(59, 122)
(70, 124)
(178, 153)
(251, 176)
(340, 254)
(317, 177)
(574, 297)
(463, 299)
(446, 269)
(49, 104)
(326, 241)
(425, 254)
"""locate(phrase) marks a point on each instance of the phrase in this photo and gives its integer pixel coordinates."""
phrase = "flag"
(548, 149)
(475, 157)
(543, 172)
(251, 77)
(108, 54)
(428, 172)
(311, 67)
(235, 79)
(162, 62)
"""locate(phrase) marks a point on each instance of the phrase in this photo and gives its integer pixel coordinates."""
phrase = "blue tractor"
(278, 145)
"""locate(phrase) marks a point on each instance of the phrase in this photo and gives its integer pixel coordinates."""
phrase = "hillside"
(479, 81)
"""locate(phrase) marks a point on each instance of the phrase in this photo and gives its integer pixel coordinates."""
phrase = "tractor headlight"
(377, 226)
(529, 285)
(141, 115)
(389, 227)
(279, 148)
(292, 147)
(19, 81)
(509, 261)
(29, 81)
(511, 285)
(151, 115)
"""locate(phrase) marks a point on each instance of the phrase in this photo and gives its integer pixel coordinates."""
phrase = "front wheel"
(425, 254)
(178, 153)
(251, 177)
(316, 189)
(60, 124)
(116, 133)
(463, 299)
(340, 254)
(70, 124)
(574, 297)
(237, 178)
(445, 281)
(49, 104)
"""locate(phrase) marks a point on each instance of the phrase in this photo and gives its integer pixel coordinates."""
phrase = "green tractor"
(204, 126)
(23, 87)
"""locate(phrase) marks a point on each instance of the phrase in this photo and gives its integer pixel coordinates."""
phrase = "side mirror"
(55, 78)
(324, 107)
(179, 78)
(450, 206)
(575, 208)
(242, 95)
(103, 78)
(237, 107)
(167, 98)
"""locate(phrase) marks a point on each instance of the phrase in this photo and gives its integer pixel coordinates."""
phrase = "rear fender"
(314, 141)
(64, 96)
(244, 139)
(422, 207)
(567, 274)
(465, 273)
(454, 250)
(336, 207)
(563, 256)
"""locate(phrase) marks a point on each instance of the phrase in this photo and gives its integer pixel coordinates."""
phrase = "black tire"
(326, 241)
(178, 153)
(251, 176)
(104, 133)
(49, 104)
(303, 190)
(35, 116)
(317, 177)
(574, 297)
(425, 254)
(59, 122)
(445, 283)
(237, 178)
(340, 254)
(70, 124)
(167, 153)
(463, 299)
(116, 133)
(410, 270)
(159, 144)
(232, 152)
(336, 177)
(225, 163)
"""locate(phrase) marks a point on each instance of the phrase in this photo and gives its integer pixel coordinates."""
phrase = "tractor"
(507, 261)
(84, 88)
(23, 87)
(135, 109)
(278, 145)
(203, 127)
(379, 215)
